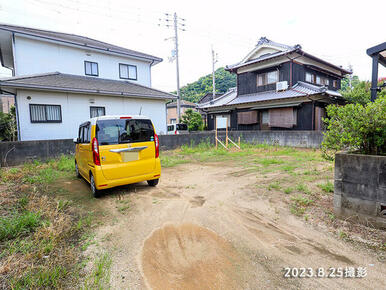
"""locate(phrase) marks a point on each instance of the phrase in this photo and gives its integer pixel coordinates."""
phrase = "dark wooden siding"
(247, 82)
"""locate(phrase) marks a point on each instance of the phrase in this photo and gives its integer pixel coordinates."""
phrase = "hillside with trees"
(194, 91)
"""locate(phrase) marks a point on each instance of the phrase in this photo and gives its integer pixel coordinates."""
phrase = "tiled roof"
(286, 49)
(300, 89)
(182, 103)
(77, 40)
(81, 84)
(220, 101)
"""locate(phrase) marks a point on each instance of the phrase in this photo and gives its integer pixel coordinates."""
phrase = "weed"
(100, 276)
(288, 168)
(299, 204)
(172, 160)
(303, 188)
(343, 235)
(327, 187)
(288, 190)
(18, 224)
(66, 163)
(274, 185)
(270, 161)
(40, 278)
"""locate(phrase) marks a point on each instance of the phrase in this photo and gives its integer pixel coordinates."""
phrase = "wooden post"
(226, 135)
(239, 142)
(215, 127)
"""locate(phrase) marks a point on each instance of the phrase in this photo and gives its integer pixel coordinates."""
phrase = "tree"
(195, 91)
(360, 92)
(193, 120)
(356, 127)
(8, 129)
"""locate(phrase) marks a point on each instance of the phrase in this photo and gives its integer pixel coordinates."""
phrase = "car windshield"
(119, 131)
(182, 127)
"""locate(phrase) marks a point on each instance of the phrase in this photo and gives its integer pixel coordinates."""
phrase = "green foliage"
(8, 129)
(18, 224)
(100, 275)
(359, 92)
(327, 187)
(193, 120)
(195, 91)
(41, 278)
(356, 127)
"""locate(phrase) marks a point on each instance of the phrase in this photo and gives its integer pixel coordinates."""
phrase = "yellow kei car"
(117, 150)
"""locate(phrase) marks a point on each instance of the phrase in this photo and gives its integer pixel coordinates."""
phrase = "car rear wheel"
(94, 190)
(153, 182)
(77, 170)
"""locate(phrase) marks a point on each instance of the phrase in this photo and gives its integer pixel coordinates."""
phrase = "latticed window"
(247, 118)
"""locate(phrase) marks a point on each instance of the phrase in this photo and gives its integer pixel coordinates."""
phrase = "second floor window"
(267, 78)
(127, 71)
(316, 79)
(91, 68)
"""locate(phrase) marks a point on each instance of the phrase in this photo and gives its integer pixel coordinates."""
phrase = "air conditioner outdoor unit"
(281, 86)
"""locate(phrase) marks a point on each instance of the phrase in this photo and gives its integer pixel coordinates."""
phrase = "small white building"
(60, 80)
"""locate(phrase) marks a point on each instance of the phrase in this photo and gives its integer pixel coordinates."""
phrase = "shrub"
(356, 127)
(193, 120)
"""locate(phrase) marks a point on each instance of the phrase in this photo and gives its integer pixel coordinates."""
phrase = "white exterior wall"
(35, 57)
(76, 110)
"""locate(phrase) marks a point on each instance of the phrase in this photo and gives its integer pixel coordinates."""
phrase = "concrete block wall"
(360, 187)
(15, 153)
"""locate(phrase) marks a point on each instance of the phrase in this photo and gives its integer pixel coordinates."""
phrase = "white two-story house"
(60, 80)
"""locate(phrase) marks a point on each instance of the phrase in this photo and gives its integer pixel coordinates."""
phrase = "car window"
(124, 131)
(182, 127)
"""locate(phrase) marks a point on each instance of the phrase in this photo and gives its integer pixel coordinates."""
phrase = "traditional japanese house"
(279, 87)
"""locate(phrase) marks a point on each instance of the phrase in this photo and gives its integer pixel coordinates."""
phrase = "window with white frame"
(91, 68)
(97, 111)
(45, 113)
(127, 71)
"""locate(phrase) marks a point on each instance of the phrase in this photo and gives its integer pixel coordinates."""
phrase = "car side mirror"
(76, 140)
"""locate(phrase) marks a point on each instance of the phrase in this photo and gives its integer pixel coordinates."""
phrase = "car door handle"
(131, 149)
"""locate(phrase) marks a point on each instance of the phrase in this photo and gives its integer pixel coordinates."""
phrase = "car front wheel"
(153, 182)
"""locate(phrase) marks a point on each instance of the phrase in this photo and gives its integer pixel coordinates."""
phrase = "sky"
(337, 31)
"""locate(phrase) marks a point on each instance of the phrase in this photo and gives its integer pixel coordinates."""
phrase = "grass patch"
(40, 231)
(303, 188)
(288, 190)
(18, 224)
(274, 185)
(299, 204)
(327, 187)
(172, 160)
(40, 278)
(99, 278)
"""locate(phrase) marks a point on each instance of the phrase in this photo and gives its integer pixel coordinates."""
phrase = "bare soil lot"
(224, 220)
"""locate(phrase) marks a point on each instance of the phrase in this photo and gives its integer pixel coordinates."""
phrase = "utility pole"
(214, 60)
(350, 76)
(177, 67)
(175, 53)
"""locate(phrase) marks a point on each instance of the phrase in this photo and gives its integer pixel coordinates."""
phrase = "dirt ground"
(207, 226)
